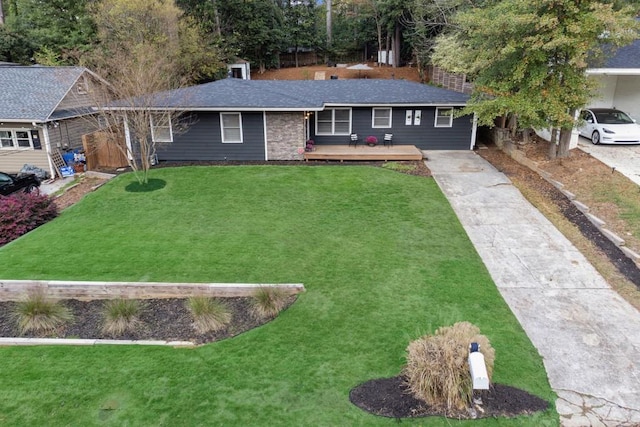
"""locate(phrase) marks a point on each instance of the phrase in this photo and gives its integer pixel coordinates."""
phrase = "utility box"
(478, 369)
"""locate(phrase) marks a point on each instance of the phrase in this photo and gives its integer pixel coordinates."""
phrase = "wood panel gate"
(104, 149)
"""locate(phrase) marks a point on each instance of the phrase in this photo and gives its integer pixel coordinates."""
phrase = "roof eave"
(413, 104)
(247, 109)
(614, 71)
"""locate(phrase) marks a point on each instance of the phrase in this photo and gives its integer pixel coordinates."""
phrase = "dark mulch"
(390, 397)
(162, 319)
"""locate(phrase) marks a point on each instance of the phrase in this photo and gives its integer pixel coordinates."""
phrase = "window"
(381, 118)
(444, 117)
(161, 127)
(15, 139)
(231, 125)
(333, 121)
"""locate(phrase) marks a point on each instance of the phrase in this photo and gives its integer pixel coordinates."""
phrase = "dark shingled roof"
(625, 57)
(303, 94)
(32, 93)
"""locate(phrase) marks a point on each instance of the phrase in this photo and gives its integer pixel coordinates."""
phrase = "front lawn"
(381, 254)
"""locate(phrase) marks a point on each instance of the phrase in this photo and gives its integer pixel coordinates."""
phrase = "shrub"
(208, 314)
(437, 368)
(121, 315)
(22, 212)
(268, 301)
(39, 314)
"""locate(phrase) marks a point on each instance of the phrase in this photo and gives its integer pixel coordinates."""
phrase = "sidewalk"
(588, 336)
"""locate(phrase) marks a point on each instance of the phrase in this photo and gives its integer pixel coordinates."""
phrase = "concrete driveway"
(587, 335)
(625, 158)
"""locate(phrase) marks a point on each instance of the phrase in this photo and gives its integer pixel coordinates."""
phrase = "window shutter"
(35, 138)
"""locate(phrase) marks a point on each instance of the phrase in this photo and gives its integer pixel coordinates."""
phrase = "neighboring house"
(235, 119)
(42, 109)
(619, 81)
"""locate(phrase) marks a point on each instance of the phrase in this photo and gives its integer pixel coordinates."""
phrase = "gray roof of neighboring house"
(625, 57)
(32, 93)
(302, 94)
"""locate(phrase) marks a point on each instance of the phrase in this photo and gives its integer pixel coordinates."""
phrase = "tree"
(299, 19)
(427, 20)
(253, 30)
(14, 47)
(59, 29)
(529, 59)
(146, 48)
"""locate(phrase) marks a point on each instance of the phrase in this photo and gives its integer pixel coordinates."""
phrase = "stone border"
(89, 342)
(14, 290)
(508, 148)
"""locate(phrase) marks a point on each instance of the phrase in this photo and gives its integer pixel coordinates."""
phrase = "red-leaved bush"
(22, 212)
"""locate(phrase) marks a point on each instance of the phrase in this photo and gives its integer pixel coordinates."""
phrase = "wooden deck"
(364, 152)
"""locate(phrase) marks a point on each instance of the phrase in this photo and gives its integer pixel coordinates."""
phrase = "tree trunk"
(1, 14)
(513, 125)
(503, 121)
(386, 47)
(379, 29)
(217, 18)
(396, 47)
(553, 147)
(565, 140)
(329, 25)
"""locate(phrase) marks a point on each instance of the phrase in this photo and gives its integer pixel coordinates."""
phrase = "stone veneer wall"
(285, 134)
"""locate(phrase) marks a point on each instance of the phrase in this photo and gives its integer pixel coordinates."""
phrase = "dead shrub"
(437, 369)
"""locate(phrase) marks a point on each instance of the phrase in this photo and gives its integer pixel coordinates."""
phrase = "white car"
(608, 126)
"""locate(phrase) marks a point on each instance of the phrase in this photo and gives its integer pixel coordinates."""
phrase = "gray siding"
(424, 136)
(73, 99)
(203, 140)
(69, 132)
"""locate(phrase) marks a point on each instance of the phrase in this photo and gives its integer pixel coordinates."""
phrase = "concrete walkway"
(588, 336)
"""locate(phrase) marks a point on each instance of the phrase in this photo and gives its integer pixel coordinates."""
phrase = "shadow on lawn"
(152, 185)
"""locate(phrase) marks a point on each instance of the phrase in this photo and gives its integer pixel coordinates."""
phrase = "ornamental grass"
(437, 369)
(209, 314)
(39, 314)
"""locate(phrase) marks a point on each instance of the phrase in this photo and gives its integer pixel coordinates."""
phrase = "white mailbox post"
(478, 369)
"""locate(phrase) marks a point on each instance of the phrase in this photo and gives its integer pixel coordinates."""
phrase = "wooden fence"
(104, 150)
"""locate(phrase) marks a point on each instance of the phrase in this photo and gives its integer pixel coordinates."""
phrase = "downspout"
(264, 125)
(127, 138)
(47, 147)
(474, 130)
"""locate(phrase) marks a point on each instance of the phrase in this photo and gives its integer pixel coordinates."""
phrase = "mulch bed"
(162, 319)
(390, 397)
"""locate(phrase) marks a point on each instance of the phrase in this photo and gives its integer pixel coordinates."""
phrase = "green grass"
(382, 256)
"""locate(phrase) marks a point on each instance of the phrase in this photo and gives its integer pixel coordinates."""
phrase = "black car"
(10, 183)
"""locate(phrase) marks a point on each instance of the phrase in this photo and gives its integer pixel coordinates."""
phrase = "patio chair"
(353, 139)
(388, 139)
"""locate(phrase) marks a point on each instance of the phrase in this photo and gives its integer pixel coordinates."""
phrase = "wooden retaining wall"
(14, 290)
